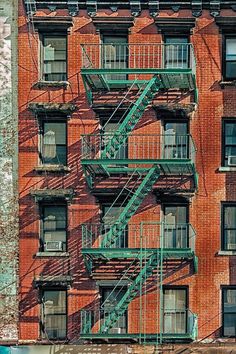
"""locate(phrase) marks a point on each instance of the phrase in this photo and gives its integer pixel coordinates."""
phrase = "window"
(229, 142)
(54, 58)
(54, 314)
(54, 143)
(176, 52)
(176, 140)
(229, 226)
(115, 56)
(175, 310)
(229, 312)
(110, 297)
(53, 228)
(110, 216)
(230, 57)
(176, 228)
(108, 131)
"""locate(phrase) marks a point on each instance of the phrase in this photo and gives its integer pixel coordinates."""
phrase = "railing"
(174, 322)
(142, 236)
(138, 56)
(140, 146)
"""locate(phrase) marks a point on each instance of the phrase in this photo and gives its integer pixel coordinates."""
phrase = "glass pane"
(176, 128)
(181, 40)
(57, 43)
(54, 302)
(59, 130)
(174, 299)
(55, 326)
(230, 325)
(175, 214)
(230, 217)
(229, 300)
(55, 236)
(231, 69)
(231, 48)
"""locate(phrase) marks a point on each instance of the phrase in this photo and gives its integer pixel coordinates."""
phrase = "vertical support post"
(140, 286)
(161, 324)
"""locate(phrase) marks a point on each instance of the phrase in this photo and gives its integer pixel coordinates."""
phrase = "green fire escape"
(143, 159)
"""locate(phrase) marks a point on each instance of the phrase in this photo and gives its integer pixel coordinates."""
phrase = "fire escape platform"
(136, 337)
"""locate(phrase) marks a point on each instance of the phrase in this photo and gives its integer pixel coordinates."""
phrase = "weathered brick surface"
(214, 187)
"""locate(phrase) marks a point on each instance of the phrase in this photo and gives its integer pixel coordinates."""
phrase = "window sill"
(52, 168)
(227, 169)
(52, 254)
(227, 83)
(226, 253)
(41, 85)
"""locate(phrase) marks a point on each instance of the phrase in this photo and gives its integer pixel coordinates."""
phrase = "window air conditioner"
(116, 330)
(231, 160)
(53, 246)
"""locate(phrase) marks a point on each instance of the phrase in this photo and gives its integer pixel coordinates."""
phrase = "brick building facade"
(141, 249)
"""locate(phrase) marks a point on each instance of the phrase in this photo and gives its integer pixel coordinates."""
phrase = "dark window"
(229, 226)
(176, 140)
(54, 58)
(229, 143)
(54, 143)
(109, 218)
(176, 52)
(54, 314)
(53, 228)
(110, 297)
(230, 57)
(176, 227)
(115, 56)
(229, 312)
(175, 310)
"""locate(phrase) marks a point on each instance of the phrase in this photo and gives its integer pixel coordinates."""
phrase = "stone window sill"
(227, 169)
(52, 254)
(226, 253)
(52, 168)
(41, 85)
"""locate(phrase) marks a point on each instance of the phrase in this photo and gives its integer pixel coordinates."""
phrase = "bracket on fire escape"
(30, 7)
(153, 7)
(135, 6)
(73, 7)
(92, 7)
(215, 8)
(196, 8)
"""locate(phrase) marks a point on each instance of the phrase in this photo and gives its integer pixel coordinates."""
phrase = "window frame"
(41, 142)
(177, 287)
(42, 207)
(177, 35)
(224, 61)
(175, 121)
(42, 325)
(102, 299)
(223, 205)
(42, 37)
(223, 142)
(223, 289)
(164, 205)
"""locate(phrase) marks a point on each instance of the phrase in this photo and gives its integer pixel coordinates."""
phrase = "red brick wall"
(214, 187)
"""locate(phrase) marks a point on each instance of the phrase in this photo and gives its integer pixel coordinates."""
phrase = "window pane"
(231, 69)
(231, 48)
(174, 299)
(230, 217)
(230, 325)
(54, 217)
(54, 302)
(54, 58)
(59, 130)
(229, 300)
(55, 326)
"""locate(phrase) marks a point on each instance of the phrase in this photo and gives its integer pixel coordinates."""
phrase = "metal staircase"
(144, 188)
(132, 291)
(132, 118)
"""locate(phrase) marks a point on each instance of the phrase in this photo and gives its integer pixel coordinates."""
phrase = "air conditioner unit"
(116, 330)
(231, 160)
(53, 246)
(231, 246)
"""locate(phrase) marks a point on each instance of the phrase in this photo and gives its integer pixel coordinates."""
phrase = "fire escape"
(141, 71)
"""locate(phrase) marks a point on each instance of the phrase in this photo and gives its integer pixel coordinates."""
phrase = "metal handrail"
(144, 56)
(92, 320)
(144, 235)
(140, 146)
